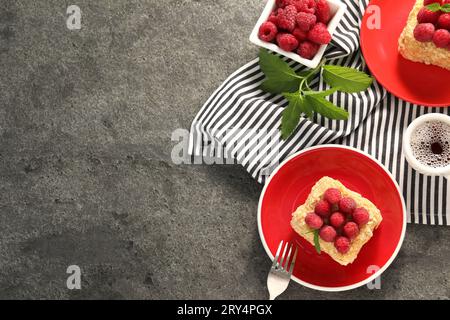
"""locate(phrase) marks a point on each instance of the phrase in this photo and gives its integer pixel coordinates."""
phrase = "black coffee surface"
(431, 144)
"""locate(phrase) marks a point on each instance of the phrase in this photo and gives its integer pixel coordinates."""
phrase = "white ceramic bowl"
(409, 155)
(337, 8)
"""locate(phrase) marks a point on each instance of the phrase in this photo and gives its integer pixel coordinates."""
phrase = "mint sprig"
(435, 7)
(282, 79)
(316, 242)
(346, 79)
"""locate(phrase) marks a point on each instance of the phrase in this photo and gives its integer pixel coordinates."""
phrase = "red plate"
(289, 187)
(411, 81)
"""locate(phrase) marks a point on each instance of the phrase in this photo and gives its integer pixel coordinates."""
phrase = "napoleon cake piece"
(343, 219)
(425, 37)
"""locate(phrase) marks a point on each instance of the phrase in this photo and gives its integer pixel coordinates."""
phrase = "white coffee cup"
(407, 149)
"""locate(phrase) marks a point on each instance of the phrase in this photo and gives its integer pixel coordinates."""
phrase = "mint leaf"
(445, 7)
(325, 107)
(322, 94)
(280, 76)
(346, 79)
(316, 241)
(277, 86)
(434, 7)
(274, 66)
(298, 99)
(291, 115)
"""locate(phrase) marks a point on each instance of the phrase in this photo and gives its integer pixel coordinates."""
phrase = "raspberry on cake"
(328, 233)
(340, 237)
(337, 219)
(332, 195)
(351, 230)
(425, 37)
(361, 216)
(425, 15)
(322, 208)
(314, 221)
(424, 32)
(444, 21)
(342, 245)
(347, 205)
(441, 38)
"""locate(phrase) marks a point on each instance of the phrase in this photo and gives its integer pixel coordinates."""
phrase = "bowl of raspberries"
(298, 29)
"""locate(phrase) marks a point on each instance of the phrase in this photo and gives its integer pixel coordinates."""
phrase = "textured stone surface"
(86, 176)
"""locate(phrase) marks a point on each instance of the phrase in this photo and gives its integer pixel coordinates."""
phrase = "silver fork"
(280, 274)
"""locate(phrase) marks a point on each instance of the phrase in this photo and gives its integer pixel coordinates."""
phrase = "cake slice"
(366, 228)
(425, 52)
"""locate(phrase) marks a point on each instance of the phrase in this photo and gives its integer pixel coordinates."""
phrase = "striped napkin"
(239, 123)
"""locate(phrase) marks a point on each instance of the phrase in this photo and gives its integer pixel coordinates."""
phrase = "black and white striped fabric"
(240, 122)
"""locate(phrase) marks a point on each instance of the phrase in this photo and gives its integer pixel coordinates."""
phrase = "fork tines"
(282, 263)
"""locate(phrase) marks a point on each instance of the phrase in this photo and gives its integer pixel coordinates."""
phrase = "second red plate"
(411, 81)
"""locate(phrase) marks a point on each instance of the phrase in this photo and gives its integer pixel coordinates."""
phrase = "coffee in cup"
(430, 144)
(426, 144)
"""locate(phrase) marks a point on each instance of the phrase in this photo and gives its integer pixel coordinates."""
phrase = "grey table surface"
(86, 175)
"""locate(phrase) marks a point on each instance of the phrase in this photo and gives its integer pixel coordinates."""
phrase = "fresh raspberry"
(351, 230)
(328, 233)
(307, 49)
(441, 38)
(285, 23)
(268, 31)
(319, 34)
(323, 11)
(298, 4)
(332, 195)
(444, 21)
(286, 18)
(309, 6)
(305, 21)
(322, 208)
(361, 216)
(337, 219)
(342, 244)
(427, 2)
(299, 34)
(425, 15)
(347, 205)
(283, 3)
(314, 221)
(273, 18)
(445, 1)
(287, 41)
(424, 32)
(290, 11)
